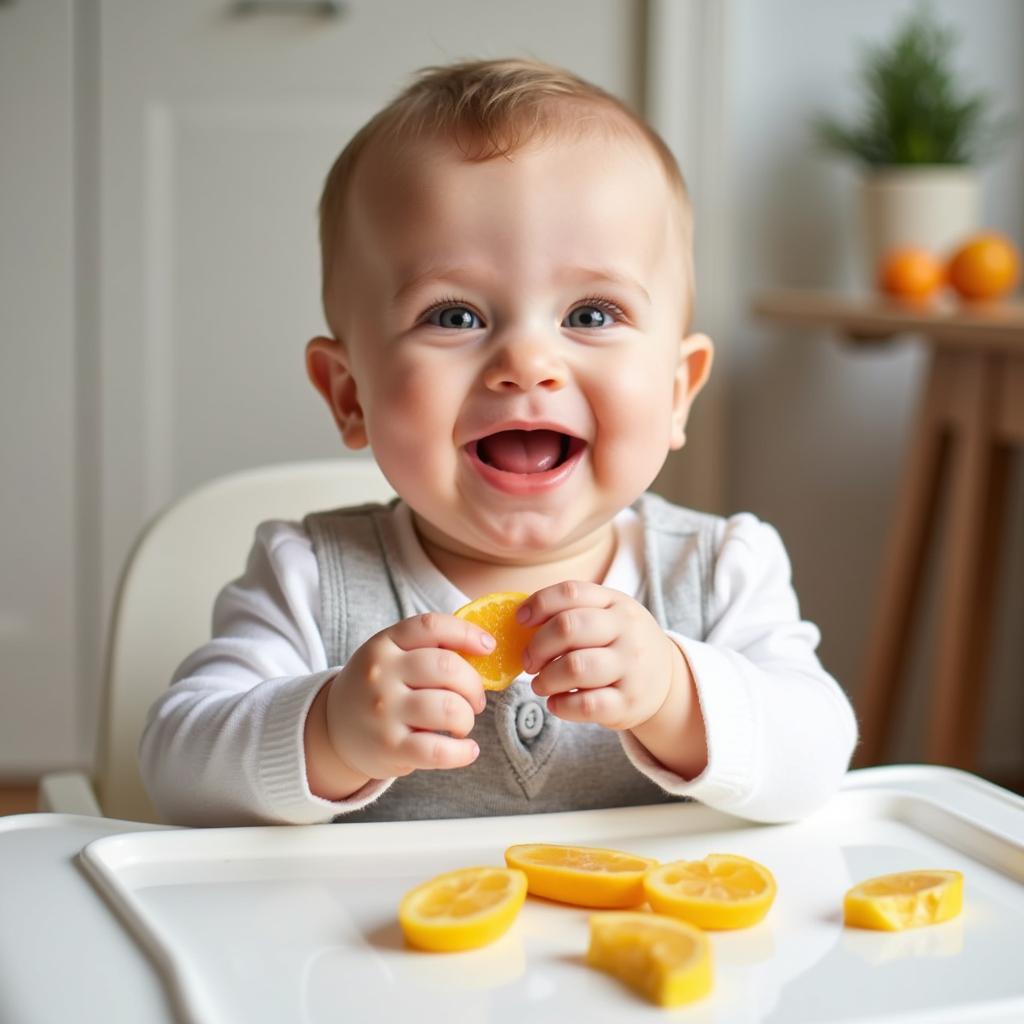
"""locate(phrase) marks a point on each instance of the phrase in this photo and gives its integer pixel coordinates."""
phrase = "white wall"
(817, 430)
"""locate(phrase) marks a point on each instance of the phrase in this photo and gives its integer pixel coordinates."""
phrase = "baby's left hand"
(603, 645)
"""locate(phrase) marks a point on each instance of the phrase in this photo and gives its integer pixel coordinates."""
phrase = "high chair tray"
(299, 923)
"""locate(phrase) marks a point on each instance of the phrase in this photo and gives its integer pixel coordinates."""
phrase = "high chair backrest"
(168, 585)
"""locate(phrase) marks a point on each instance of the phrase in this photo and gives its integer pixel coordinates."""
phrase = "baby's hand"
(599, 655)
(386, 709)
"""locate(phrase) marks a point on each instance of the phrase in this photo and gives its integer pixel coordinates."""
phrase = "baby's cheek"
(634, 429)
(411, 431)
(410, 406)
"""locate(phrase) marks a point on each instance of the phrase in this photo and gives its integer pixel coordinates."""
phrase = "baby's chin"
(514, 538)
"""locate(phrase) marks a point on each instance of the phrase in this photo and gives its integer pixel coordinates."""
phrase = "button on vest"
(529, 719)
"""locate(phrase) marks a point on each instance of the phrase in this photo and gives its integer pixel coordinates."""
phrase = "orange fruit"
(497, 614)
(722, 891)
(911, 272)
(585, 876)
(909, 899)
(986, 266)
(462, 909)
(667, 961)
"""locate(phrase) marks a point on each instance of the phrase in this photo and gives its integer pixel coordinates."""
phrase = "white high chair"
(165, 599)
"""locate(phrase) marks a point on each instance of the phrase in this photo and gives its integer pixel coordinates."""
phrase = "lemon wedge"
(665, 960)
(497, 614)
(722, 891)
(462, 909)
(583, 875)
(909, 899)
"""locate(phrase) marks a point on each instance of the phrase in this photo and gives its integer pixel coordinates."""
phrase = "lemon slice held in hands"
(908, 899)
(666, 960)
(722, 891)
(582, 875)
(462, 909)
(496, 613)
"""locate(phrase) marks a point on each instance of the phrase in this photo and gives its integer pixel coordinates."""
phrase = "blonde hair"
(488, 108)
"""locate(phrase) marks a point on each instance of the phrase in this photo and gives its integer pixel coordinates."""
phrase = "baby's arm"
(226, 742)
(746, 721)
(780, 730)
(222, 745)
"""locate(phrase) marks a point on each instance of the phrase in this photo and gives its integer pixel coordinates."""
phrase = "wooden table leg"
(903, 563)
(977, 529)
(961, 644)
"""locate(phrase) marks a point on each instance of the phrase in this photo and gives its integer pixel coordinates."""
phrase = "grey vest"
(530, 761)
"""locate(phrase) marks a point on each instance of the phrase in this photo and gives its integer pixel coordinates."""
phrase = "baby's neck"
(475, 577)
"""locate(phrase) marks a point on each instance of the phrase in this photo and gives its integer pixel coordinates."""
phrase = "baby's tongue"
(521, 451)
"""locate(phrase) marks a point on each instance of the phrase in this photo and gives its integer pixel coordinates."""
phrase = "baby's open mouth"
(526, 451)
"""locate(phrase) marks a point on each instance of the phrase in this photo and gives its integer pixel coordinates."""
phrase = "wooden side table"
(970, 416)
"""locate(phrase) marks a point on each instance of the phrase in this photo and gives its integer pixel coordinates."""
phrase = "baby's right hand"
(386, 709)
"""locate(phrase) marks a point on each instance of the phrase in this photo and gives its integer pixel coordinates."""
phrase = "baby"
(508, 282)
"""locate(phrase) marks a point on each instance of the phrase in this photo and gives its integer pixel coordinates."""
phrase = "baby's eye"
(457, 318)
(590, 314)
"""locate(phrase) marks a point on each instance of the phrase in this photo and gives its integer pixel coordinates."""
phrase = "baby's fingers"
(436, 669)
(568, 632)
(579, 670)
(432, 629)
(438, 711)
(602, 706)
(426, 750)
(545, 603)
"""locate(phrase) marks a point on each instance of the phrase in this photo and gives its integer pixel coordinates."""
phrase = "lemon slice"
(497, 614)
(909, 899)
(666, 960)
(719, 892)
(586, 876)
(462, 909)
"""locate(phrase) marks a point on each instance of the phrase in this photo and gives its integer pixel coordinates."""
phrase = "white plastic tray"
(298, 923)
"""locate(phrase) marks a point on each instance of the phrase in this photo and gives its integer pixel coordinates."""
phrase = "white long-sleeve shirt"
(224, 744)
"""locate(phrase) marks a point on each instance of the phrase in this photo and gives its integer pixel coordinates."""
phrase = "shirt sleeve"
(224, 744)
(780, 731)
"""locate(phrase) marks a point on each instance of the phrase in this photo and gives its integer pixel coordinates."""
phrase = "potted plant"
(919, 140)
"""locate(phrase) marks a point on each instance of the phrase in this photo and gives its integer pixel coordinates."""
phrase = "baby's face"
(511, 338)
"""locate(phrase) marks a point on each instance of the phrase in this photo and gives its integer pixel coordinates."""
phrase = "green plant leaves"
(915, 111)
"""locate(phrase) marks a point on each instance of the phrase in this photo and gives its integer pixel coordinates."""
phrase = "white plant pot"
(935, 207)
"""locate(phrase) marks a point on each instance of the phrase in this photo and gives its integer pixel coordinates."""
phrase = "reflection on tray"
(937, 940)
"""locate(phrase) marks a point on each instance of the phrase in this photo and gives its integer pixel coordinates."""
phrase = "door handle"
(325, 8)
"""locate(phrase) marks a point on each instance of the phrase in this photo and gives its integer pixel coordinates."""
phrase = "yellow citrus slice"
(462, 909)
(497, 614)
(719, 892)
(909, 899)
(666, 960)
(583, 875)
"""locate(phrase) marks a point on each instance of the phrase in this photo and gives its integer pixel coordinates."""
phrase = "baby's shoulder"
(738, 533)
(660, 514)
(279, 536)
(663, 516)
(283, 535)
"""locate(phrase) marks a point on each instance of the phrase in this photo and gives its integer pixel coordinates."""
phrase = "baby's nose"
(522, 366)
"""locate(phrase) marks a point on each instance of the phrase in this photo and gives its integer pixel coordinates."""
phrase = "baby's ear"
(696, 354)
(327, 364)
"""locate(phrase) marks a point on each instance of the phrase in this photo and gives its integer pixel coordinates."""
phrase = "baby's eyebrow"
(570, 275)
(598, 275)
(455, 274)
